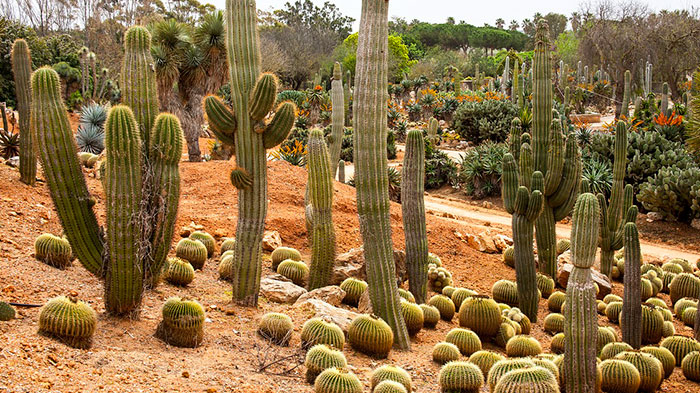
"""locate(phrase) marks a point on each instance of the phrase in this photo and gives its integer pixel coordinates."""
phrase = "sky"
(473, 12)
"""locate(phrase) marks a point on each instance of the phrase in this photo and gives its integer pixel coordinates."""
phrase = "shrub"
(440, 169)
(673, 192)
(480, 170)
(598, 174)
(478, 121)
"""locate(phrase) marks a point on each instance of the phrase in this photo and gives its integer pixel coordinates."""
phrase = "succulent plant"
(459, 295)
(689, 316)
(179, 272)
(619, 376)
(605, 336)
(684, 285)
(90, 139)
(431, 315)
(7, 312)
(406, 295)
(460, 377)
(557, 343)
(555, 300)
(485, 360)
(438, 278)
(545, 284)
(354, 289)
(69, 320)
(22, 70)
(226, 267)
(668, 361)
(445, 305)
(509, 256)
(182, 324)
(276, 327)
(448, 291)
(651, 324)
(480, 314)
(554, 323)
(229, 244)
(466, 340)
(612, 311)
(691, 366)
(296, 271)
(682, 304)
(563, 245)
(505, 332)
(445, 352)
(370, 335)
(206, 239)
(505, 291)
(680, 346)
(193, 251)
(502, 367)
(317, 331)
(601, 306)
(413, 317)
(322, 357)
(337, 380)
(610, 350)
(523, 346)
(389, 387)
(53, 250)
(538, 379)
(651, 371)
(390, 373)
(668, 329)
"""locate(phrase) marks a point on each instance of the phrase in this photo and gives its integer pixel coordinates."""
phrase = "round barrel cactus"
(317, 331)
(444, 352)
(68, 320)
(684, 285)
(691, 366)
(459, 295)
(612, 311)
(485, 360)
(521, 319)
(505, 332)
(533, 379)
(406, 295)
(466, 340)
(688, 316)
(505, 291)
(337, 380)
(557, 343)
(179, 272)
(276, 327)
(7, 312)
(448, 290)
(282, 254)
(320, 358)
(182, 324)
(680, 346)
(480, 314)
(226, 267)
(610, 350)
(547, 364)
(412, 316)
(619, 376)
(555, 301)
(651, 371)
(390, 373)
(353, 290)
(668, 361)
(682, 304)
(652, 324)
(431, 315)
(193, 251)
(502, 367)
(554, 323)
(460, 377)
(601, 306)
(563, 245)
(668, 329)
(53, 250)
(207, 240)
(545, 284)
(389, 387)
(445, 305)
(229, 244)
(296, 271)
(605, 336)
(370, 335)
(509, 256)
(438, 277)
(609, 298)
(522, 346)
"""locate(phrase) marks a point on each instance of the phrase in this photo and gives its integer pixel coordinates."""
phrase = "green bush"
(673, 192)
(440, 169)
(487, 120)
(479, 172)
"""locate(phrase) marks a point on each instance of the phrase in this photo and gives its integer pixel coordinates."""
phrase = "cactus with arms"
(252, 97)
(413, 209)
(22, 70)
(372, 183)
(581, 323)
(335, 140)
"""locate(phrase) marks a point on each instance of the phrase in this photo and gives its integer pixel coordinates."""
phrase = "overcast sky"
(473, 12)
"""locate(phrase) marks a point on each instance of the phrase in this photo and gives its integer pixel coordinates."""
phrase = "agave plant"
(480, 170)
(9, 144)
(90, 137)
(94, 114)
(599, 176)
(394, 185)
(295, 155)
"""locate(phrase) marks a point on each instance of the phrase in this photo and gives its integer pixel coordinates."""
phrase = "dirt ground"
(125, 357)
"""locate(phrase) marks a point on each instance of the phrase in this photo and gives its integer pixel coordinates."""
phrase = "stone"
(604, 285)
(482, 242)
(695, 223)
(321, 309)
(654, 216)
(277, 288)
(564, 258)
(352, 264)
(331, 294)
(364, 305)
(487, 205)
(502, 242)
(187, 230)
(271, 240)
(13, 162)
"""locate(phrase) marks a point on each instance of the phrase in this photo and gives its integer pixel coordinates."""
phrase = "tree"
(514, 25)
(557, 24)
(567, 47)
(326, 18)
(399, 61)
(500, 23)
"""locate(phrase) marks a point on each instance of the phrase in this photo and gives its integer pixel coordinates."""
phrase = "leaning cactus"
(580, 328)
(22, 70)
(69, 320)
(335, 139)
(252, 96)
(631, 318)
(413, 209)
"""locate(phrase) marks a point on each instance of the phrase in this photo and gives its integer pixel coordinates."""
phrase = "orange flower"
(672, 120)
(318, 88)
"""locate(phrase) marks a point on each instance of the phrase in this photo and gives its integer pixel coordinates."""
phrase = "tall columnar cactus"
(433, 126)
(335, 140)
(515, 95)
(413, 210)
(631, 318)
(620, 211)
(647, 79)
(321, 199)
(506, 74)
(370, 157)
(558, 160)
(346, 98)
(581, 323)
(625, 110)
(22, 70)
(578, 72)
(252, 97)
(664, 99)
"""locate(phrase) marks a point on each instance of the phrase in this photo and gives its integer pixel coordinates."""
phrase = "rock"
(271, 240)
(654, 216)
(352, 264)
(502, 242)
(332, 295)
(482, 242)
(695, 223)
(277, 288)
(13, 162)
(189, 228)
(487, 205)
(364, 305)
(220, 233)
(564, 258)
(603, 282)
(321, 309)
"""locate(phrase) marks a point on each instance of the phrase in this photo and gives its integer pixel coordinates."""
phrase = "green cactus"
(480, 314)
(460, 377)
(412, 316)
(485, 360)
(354, 289)
(580, 306)
(389, 387)
(7, 312)
(432, 130)
(619, 376)
(558, 343)
(555, 301)
(683, 303)
(632, 305)
(509, 256)
(445, 352)
(506, 331)
(680, 346)
(554, 323)
(22, 70)
(53, 250)
(276, 327)
(320, 358)
(503, 367)
(283, 253)
(320, 196)
(337, 380)
(317, 331)
(252, 97)
(688, 316)
(370, 335)
(613, 310)
(610, 350)
(193, 251)
(229, 243)
(668, 329)
(341, 171)
(445, 305)
(182, 324)
(226, 267)
(459, 295)
(406, 295)
(179, 272)
(536, 379)
(346, 96)
(505, 291)
(523, 346)
(69, 320)
(413, 211)
(691, 366)
(337, 118)
(651, 324)
(207, 240)
(668, 361)
(390, 373)
(545, 285)
(650, 369)
(438, 277)
(684, 285)
(296, 271)
(624, 110)
(431, 315)
(664, 99)
(466, 340)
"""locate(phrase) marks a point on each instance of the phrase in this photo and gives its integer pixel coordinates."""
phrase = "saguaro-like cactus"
(252, 98)
(346, 98)
(558, 159)
(413, 210)
(321, 199)
(22, 70)
(581, 323)
(631, 318)
(625, 110)
(372, 183)
(338, 118)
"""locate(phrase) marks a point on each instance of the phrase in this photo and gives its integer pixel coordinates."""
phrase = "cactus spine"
(22, 70)
(558, 160)
(625, 110)
(370, 112)
(321, 199)
(413, 209)
(338, 118)
(580, 328)
(631, 318)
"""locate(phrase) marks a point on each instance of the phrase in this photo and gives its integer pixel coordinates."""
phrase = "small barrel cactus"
(688, 316)
(431, 315)
(682, 304)
(555, 301)
(531, 379)
(229, 244)
(444, 352)
(554, 323)
(320, 358)
(502, 367)
(658, 303)
(317, 331)
(605, 336)
(515, 315)
(282, 254)
(522, 346)
(406, 295)
(548, 364)
(563, 245)
(182, 324)
(610, 350)
(390, 373)
(438, 277)
(389, 387)
(609, 298)
(652, 324)
(466, 340)
(505, 291)
(601, 306)
(226, 267)
(684, 285)
(545, 284)
(69, 320)
(370, 335)
(651, 371)
(619, 376)
(412, 316)
(193, 251)
(668, 361)
(612, 311)
(668, 329)
(337, 380)
(179, 272)
(505, 332)
(460, 377)
(448, 291)
(445, 305)
(691, 366)
(509, 256)
(276, 327)
(480, 314)
(7, 312)
(680, 346)
(53, 250)
(207, 240)
(485, 360)
(353, 290)
(459, 295)
(296, 271)
(557, 344)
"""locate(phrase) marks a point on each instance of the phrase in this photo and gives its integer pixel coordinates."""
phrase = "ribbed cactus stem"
(413, 210)
(346, 98)
(515, 95)
(341, 171)
(631, 318)
(506, 73)
(567, 99)
(664, 99)
(433, 126)
(84, 71)
(93, 66)
(22, 70)
(581, 323)
(370, 157)
(625, 110)
(337, 118)
(321, 199)
(55, 144)
(122, 182)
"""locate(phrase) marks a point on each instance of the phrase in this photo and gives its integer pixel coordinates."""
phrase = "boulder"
(502, 242)
(279, 289)
(364, 305)
(331, 294)
(321, 309)
(483, 242)
(352, 264)
(603, 282)
(271, 240)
